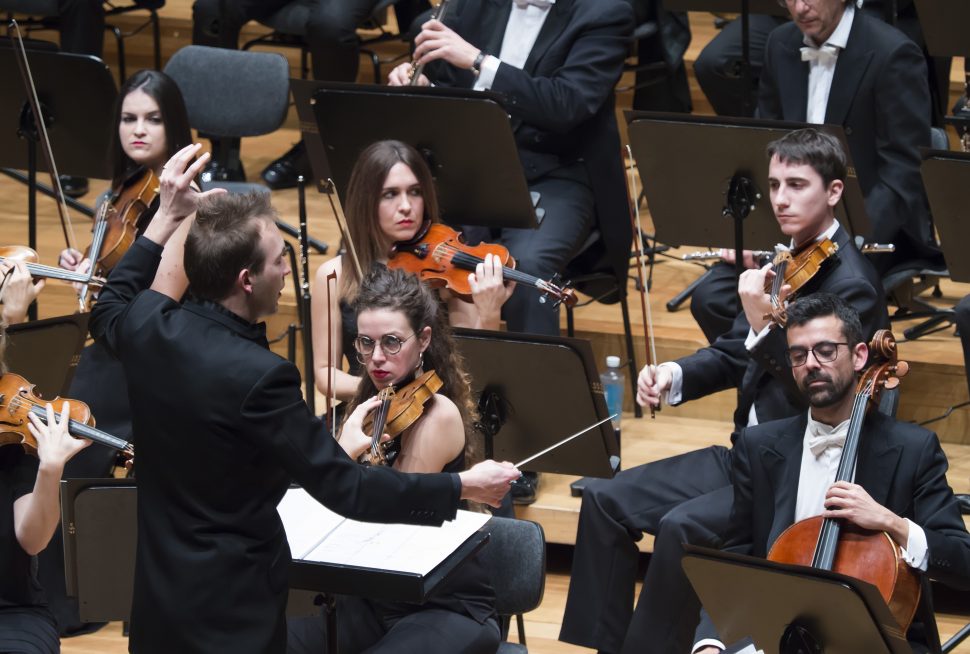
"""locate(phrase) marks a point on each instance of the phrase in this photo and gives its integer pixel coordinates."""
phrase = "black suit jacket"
(561, 102)
(900, 465)
(222, 430)
(762, 376)
(880, 95)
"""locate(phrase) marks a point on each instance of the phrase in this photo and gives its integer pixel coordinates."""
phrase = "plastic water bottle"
(613, 385)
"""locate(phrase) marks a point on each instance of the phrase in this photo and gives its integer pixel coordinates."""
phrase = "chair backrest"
(232, 93)
(516, 557)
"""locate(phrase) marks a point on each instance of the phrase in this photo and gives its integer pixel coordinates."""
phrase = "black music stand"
(753, 597)
(945, 180)
(77, 97)
(339, 120)
(723, 160)
(943, 23)
(535, 391)
(46, 352)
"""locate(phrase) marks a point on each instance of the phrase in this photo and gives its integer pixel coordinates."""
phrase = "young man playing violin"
(223, 429)
(783, 471)
(806, 173)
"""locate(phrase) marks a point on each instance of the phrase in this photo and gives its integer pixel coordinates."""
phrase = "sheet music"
(318, 534)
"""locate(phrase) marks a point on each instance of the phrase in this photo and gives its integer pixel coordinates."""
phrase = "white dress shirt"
(521, 32)
(821, 67)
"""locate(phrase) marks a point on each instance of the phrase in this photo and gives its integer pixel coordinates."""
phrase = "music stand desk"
(945, 179)
(686, 163)
(445, 125)
(748, 596)
(46, 352)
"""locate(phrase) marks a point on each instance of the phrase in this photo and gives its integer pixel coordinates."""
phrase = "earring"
(420, 365)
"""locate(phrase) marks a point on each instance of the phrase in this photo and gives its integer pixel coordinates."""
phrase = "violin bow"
(650, 346)
(17, 39)
(338, 212)
(331, 410)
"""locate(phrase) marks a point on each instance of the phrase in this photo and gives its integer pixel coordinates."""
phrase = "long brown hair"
(397, 290)
(364, 197)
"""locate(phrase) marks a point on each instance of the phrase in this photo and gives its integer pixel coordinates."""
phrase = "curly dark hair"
(397, 290)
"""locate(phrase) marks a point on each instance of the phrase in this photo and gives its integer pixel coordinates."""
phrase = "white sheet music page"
(318, 534)
(307, 522)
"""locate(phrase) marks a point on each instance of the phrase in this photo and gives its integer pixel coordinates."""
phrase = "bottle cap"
(612, 362)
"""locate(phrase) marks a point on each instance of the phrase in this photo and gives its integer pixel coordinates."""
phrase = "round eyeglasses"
(390, 345)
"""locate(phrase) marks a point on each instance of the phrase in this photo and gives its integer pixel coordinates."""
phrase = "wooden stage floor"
(936, 382)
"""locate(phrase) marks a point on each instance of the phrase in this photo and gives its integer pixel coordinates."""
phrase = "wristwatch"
(477, 64)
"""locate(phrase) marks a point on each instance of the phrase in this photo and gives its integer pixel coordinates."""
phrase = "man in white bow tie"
(784, 470)
(833, 64)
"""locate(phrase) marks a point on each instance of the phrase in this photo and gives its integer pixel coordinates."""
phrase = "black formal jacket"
(561, 102)
(222, 430)
(880, 95)
(762, 376)
(900, 465)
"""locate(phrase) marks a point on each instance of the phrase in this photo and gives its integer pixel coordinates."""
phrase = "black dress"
(26, 625)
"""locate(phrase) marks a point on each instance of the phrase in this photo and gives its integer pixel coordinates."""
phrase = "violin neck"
(780, 269)
(380, 421)
(39, 271)
(469, 262)
(828, 537)
(76, 428)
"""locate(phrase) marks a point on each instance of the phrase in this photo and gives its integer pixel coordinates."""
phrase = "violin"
(17, 400)
(38, 271)
(117, 223)
(829, 544)
(795, 269)
(438, 255)
(398, 411)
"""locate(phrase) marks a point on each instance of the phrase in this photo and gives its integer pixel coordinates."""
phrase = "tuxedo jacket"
(900, 465)
(880, 96)
(762, 376)
(561, 102)
(222, 430)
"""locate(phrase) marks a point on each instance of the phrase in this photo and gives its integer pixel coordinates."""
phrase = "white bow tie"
(541, 4)
(818, 444)
(824, 54)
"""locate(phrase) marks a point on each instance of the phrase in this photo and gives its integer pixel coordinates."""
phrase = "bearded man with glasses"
(688, 497)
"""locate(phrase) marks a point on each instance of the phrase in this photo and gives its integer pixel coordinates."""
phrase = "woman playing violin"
(402, 330)
(152, 126)
(29, 514)
(389, 197)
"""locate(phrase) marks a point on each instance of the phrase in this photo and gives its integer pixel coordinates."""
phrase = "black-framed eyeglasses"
(390, 344)
(824, 352)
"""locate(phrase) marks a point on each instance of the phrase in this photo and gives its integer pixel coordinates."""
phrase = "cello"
(827, 543)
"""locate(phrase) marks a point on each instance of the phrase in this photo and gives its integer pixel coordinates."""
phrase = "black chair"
(516, 557)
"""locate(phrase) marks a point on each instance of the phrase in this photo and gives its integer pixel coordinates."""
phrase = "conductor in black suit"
(555, 62)
(806, 173)
(222, 430)
(783, 471)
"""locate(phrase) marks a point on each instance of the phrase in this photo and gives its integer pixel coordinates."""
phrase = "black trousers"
(545, 251)
(81, 24)
(718, 66)
(331, 30)
(962, 310)
(28, 630)
(714, 303)
(614, 515)
(361, 628)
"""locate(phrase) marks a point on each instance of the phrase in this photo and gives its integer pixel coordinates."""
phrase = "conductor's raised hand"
(179, 197)
(438, 41)
(488, 482)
